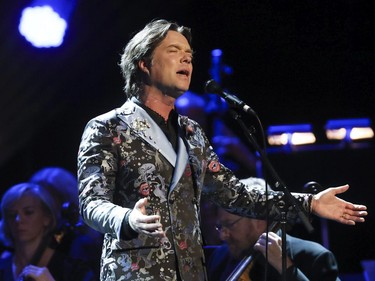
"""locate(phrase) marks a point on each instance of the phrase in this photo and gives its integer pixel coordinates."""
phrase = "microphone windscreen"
(212, 87)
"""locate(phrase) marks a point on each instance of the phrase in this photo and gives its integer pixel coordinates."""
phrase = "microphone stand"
(279, 185)
(283, 221)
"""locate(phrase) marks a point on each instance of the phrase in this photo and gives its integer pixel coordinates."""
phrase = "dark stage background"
(294, 62)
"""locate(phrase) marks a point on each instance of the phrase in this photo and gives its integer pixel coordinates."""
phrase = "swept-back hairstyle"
(141, 47)
(13, 194)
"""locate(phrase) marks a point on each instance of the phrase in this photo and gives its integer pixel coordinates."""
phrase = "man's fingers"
(152, 229)
(141, 203)
(341, 189)
(151, 226)
(150, 218)
(357, 207)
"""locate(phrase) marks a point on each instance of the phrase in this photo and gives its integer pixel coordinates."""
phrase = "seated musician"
(30, 222)
(306, 260)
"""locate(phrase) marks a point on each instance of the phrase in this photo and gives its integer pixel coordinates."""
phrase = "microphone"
(212, 86)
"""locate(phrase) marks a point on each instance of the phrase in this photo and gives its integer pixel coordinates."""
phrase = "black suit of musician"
(306, 260)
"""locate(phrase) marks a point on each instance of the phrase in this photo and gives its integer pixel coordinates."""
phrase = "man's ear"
(143, 65)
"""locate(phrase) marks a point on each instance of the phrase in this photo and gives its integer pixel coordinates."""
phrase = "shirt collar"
(172, 117)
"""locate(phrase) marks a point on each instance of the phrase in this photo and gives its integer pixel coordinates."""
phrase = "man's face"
(171, 65)
(239, 233)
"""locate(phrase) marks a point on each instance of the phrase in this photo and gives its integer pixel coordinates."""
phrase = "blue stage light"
(45, 22)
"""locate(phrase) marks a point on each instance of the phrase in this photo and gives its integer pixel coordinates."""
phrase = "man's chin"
(178, 93)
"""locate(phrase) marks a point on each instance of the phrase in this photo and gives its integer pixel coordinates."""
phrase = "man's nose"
(186, 58)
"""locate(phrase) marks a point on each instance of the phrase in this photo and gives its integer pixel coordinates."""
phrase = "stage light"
(349, 129)
(45, 22)
(298, 134)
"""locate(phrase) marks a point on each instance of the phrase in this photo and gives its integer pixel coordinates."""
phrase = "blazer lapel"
(144, 126)
(182, 160)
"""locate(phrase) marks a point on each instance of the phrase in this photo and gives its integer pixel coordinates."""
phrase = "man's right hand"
(140, 222)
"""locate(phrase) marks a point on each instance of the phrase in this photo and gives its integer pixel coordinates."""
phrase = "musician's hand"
(143, 223)
(325, 204)
(274, 250)
(36, 273)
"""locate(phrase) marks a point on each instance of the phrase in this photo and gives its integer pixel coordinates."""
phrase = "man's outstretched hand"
(327, 205)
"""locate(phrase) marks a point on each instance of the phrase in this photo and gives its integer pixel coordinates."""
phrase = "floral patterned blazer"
(124, 156)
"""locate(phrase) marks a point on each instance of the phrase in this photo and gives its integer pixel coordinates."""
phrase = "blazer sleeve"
(244, 197)
(97, 167)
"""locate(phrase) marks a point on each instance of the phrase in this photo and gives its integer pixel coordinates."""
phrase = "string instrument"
(241, 272)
